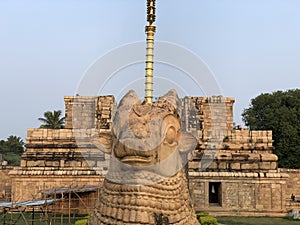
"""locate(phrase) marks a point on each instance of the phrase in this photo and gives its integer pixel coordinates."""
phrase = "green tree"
(53, 120)
(15, 144)
(3, 147)
(279, 112)
(12, 149)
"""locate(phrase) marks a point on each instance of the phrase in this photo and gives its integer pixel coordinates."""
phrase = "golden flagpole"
(150, 31)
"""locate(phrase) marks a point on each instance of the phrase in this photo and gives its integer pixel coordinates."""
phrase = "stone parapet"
(242, 140)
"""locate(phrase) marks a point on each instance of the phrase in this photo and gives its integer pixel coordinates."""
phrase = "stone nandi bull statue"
(146, 182)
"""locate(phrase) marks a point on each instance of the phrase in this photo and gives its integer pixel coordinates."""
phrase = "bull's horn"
(172, 97)
(129, 99)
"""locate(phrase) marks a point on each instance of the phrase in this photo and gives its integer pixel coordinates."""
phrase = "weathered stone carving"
(146, 182)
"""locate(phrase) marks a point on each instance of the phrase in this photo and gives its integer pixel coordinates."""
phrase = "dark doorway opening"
(215, 193)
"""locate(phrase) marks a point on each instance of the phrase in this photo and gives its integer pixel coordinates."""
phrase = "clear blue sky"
(252, 46)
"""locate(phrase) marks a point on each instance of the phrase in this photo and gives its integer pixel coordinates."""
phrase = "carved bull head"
(147, 140)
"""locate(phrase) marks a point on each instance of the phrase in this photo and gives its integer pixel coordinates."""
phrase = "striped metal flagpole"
(150, 31)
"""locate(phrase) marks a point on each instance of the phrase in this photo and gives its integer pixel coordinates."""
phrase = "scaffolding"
(16, 213)
(60, 206)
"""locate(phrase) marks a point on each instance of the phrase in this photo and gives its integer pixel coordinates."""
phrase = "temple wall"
(292, 187)
(239, 193)
(32, 187)
(293, 182)
(5, 183)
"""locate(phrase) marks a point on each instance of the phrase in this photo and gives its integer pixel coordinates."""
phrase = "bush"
(12, 158)
(208, 220)
(81, 222)
(202, 214)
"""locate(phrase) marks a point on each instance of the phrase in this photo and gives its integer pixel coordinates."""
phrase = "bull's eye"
(171, 135)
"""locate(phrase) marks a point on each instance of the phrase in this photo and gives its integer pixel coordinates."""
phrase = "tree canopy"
(53, 120)
(12, 149)
(280, 112)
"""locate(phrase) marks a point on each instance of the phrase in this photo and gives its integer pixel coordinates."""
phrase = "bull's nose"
(135, 144)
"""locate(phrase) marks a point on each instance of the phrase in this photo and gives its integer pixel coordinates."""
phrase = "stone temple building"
(232, 170)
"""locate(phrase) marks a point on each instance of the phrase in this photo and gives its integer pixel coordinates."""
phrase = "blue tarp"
(27, 203)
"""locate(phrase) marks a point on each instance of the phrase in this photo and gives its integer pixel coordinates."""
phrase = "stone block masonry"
(84, 112)
(233, 193)
(292, 188)
(231, 149)
(54, 158)
(5, 183)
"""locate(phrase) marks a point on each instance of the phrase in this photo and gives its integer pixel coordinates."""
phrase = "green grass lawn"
(224, 220)
(257, 221)
(19, 219)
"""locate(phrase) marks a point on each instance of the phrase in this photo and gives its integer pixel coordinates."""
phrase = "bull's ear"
(187, 143)
(103, 141)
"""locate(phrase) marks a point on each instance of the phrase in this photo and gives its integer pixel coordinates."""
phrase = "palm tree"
(53, 120)
(15, 144)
